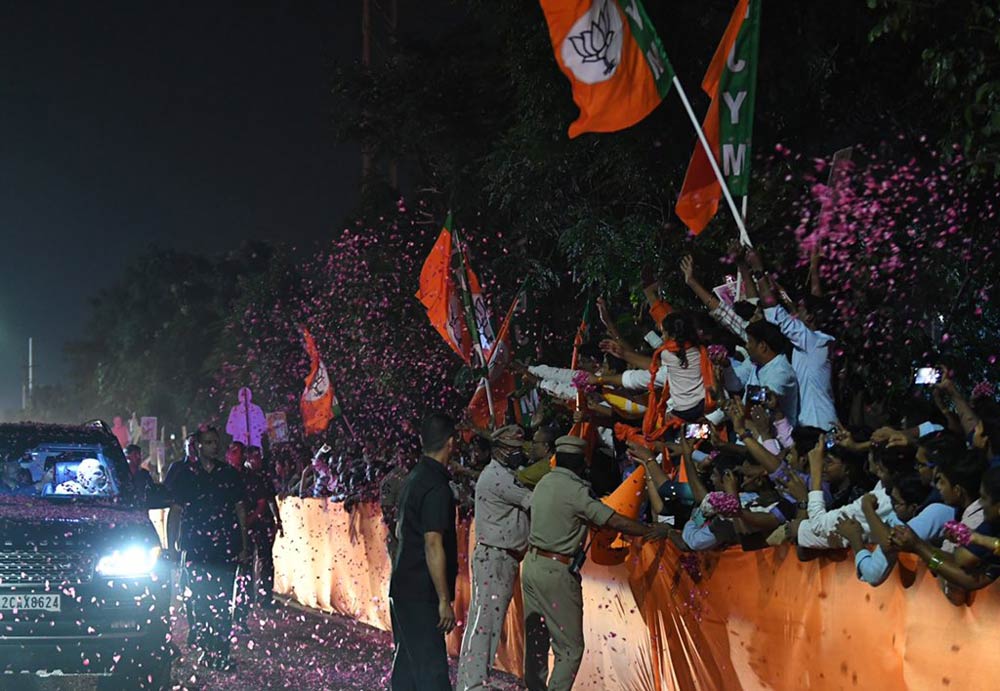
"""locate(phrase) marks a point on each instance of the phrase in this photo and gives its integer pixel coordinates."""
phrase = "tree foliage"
(959, 49)
(152, 341)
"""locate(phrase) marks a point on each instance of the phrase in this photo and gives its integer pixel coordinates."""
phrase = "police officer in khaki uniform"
(562, 509)
(502, 506)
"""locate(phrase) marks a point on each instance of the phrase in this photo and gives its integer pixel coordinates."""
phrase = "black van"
(83, 588)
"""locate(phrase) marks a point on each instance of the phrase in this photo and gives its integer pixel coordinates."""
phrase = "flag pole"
(739, 274)
(350, 427)
(744, 237)
(470, 319)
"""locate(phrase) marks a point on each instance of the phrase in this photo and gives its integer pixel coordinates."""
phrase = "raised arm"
(737, 250)
(967, 417)
(687, 269)
(737, 414)
(764, 287)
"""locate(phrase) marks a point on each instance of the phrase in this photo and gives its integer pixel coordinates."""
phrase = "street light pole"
(31, 368)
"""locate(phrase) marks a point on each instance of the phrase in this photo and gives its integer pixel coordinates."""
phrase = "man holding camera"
(502, 506)
(562, 510)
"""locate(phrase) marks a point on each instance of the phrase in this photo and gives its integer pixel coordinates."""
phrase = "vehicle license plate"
(30, 601)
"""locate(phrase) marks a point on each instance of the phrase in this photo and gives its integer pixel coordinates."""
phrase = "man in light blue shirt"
(811, 363)
(767, 368)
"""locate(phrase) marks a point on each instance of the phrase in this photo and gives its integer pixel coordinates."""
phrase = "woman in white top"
(687, 386)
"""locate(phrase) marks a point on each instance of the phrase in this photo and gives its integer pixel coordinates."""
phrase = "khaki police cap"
(570, 444)
(510, 435)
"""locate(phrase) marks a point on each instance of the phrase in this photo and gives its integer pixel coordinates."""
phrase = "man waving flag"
(731, 82)
(613, 58)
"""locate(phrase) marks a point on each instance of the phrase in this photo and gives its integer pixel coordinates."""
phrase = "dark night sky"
(195, 125)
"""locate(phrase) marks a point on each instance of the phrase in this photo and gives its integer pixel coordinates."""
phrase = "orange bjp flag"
(440, 296)
(318, 403)
(615, 62)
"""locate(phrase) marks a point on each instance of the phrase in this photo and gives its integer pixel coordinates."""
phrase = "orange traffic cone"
(606, 547)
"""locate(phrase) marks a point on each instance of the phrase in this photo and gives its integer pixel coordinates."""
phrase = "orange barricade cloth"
(714, 620)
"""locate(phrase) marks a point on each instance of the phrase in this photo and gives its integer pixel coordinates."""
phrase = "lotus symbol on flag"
(593, 47)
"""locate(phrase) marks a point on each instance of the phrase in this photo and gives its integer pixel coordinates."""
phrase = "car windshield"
(58, 471)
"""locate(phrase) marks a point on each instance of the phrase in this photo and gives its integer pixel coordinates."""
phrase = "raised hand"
(687, 268)
(793, 484)
(613, 347)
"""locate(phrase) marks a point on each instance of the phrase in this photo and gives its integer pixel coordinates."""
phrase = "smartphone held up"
(925, 376)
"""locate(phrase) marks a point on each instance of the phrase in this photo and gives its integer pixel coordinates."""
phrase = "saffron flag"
(440, 296)
(615, 62)
(319, 404)
(731, 82)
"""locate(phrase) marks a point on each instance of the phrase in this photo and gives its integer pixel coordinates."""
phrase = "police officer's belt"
(565, 559)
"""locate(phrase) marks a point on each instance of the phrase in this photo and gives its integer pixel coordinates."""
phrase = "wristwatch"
(745, 434)
(756, 274)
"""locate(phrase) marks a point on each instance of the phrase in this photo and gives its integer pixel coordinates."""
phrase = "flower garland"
(717, 353)
(581, 382)
(724, 504)
(958, 532)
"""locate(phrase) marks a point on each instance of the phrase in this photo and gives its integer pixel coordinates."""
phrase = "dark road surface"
(302, 650)
(291, 648)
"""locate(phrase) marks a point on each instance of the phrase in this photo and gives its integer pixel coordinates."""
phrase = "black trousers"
(255, 581)
(420, 661)
(211, 603)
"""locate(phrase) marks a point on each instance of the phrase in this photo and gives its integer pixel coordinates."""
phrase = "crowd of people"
(727, 414)
(731, 416)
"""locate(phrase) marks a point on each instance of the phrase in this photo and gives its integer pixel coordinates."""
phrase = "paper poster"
(148, 426)
(277, 427)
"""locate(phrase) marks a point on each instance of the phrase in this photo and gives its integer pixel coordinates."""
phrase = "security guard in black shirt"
(422, 588)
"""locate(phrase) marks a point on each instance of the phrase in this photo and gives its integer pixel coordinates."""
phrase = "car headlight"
(131, 562)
